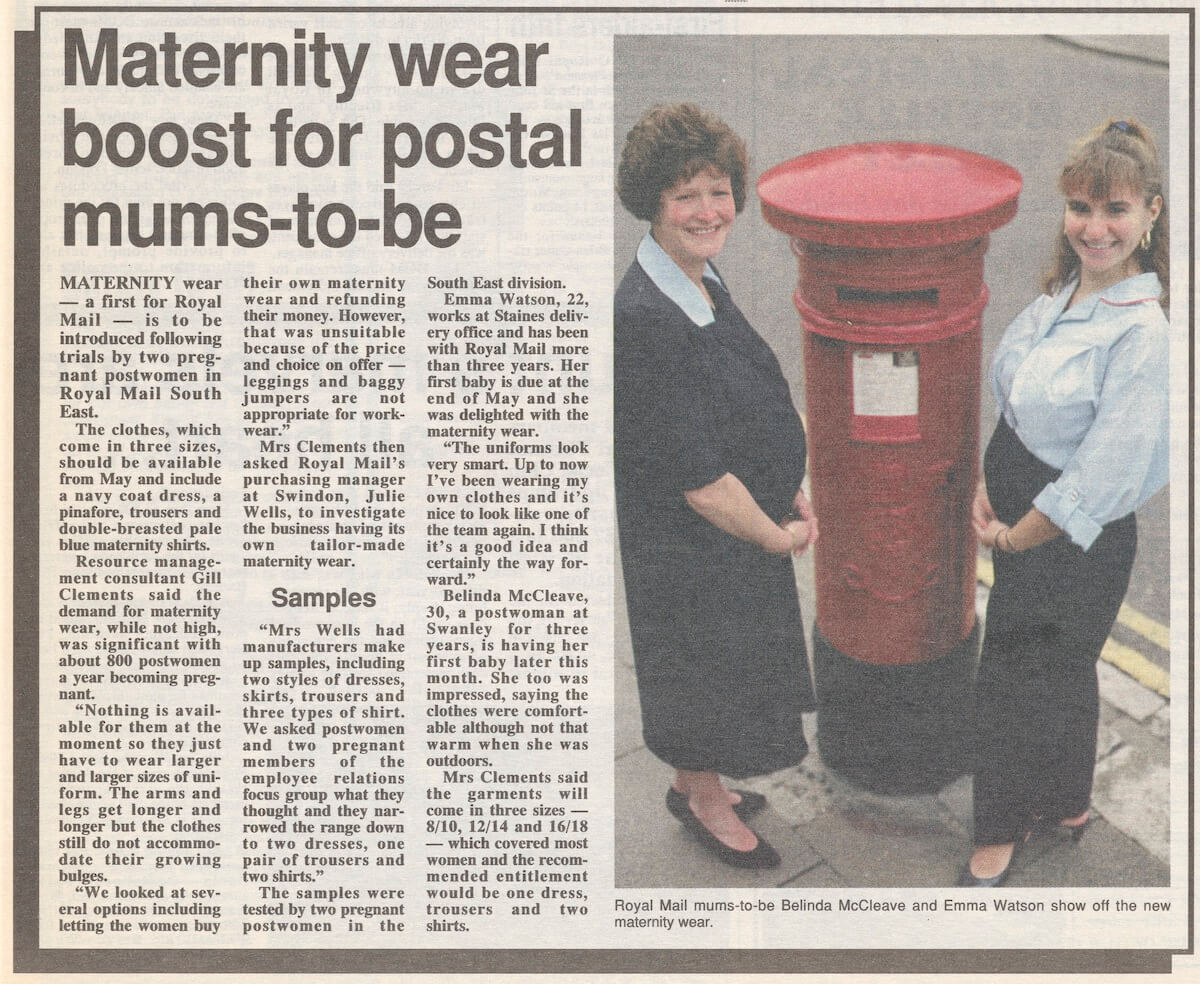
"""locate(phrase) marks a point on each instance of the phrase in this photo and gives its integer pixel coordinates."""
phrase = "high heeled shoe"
(1059, 828)
(1075, 831)
(749, 804)
(762, 855)
(968, 879)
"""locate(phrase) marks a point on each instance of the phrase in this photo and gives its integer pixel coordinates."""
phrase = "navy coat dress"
(718, 642)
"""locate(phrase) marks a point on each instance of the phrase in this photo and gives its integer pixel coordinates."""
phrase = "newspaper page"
(322, 653)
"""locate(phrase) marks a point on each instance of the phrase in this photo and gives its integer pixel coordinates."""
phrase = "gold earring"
(1146, 240)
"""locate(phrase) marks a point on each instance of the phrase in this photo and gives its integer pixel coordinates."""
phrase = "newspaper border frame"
(28, 954)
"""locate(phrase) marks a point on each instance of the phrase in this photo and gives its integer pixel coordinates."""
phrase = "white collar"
(673, 282)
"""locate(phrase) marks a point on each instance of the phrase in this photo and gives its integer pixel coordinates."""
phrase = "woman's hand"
(982, 514)
(805, 511)
(983, 519)
(802, 533)
(1031, 530)
(981, 508)
(800, 524)
(989, 534)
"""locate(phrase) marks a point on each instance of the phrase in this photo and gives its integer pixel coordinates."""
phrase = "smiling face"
(1104, 233)
(694, 217)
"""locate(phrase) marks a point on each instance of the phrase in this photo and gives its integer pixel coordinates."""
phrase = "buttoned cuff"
(1064, 508)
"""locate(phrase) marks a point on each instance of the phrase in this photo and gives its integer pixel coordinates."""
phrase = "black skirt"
(1049, 613)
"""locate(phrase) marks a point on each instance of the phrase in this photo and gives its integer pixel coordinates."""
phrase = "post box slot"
(864, 295)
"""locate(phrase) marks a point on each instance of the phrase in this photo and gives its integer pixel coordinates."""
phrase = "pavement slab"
(1105, 857)
(1132, 792)
(822, 876)
(888, 849)
(1127, 694)
(1159, 725)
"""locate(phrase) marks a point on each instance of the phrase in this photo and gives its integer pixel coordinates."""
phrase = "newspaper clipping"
(343, 640)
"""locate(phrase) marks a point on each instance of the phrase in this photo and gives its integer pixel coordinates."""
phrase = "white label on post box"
(885, 383)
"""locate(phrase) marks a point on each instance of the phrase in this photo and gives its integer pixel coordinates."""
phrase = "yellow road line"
(1144, 625)
(1124, 658)
(1136, 665)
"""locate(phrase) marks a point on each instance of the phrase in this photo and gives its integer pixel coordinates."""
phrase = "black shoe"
(762, 855)
(1058, 828)
(749, 804)
(1074, 832)
(968, 879)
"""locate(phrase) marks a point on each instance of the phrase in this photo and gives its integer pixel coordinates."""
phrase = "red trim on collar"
(1139, 300)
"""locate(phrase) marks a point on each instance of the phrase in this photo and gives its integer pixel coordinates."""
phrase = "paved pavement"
(832, 834)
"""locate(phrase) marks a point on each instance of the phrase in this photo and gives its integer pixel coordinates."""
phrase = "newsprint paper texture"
(321, 661)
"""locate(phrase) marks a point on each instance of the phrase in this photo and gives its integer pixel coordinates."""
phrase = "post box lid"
(889, 195)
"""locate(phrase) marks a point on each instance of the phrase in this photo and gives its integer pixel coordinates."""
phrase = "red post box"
(890, 239)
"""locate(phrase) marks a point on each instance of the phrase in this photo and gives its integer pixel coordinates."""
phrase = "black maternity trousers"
(1037, 696)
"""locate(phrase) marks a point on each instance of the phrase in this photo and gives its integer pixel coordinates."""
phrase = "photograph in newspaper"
(836, 819)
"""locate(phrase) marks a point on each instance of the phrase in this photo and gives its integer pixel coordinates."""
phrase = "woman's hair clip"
(1119, 125)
